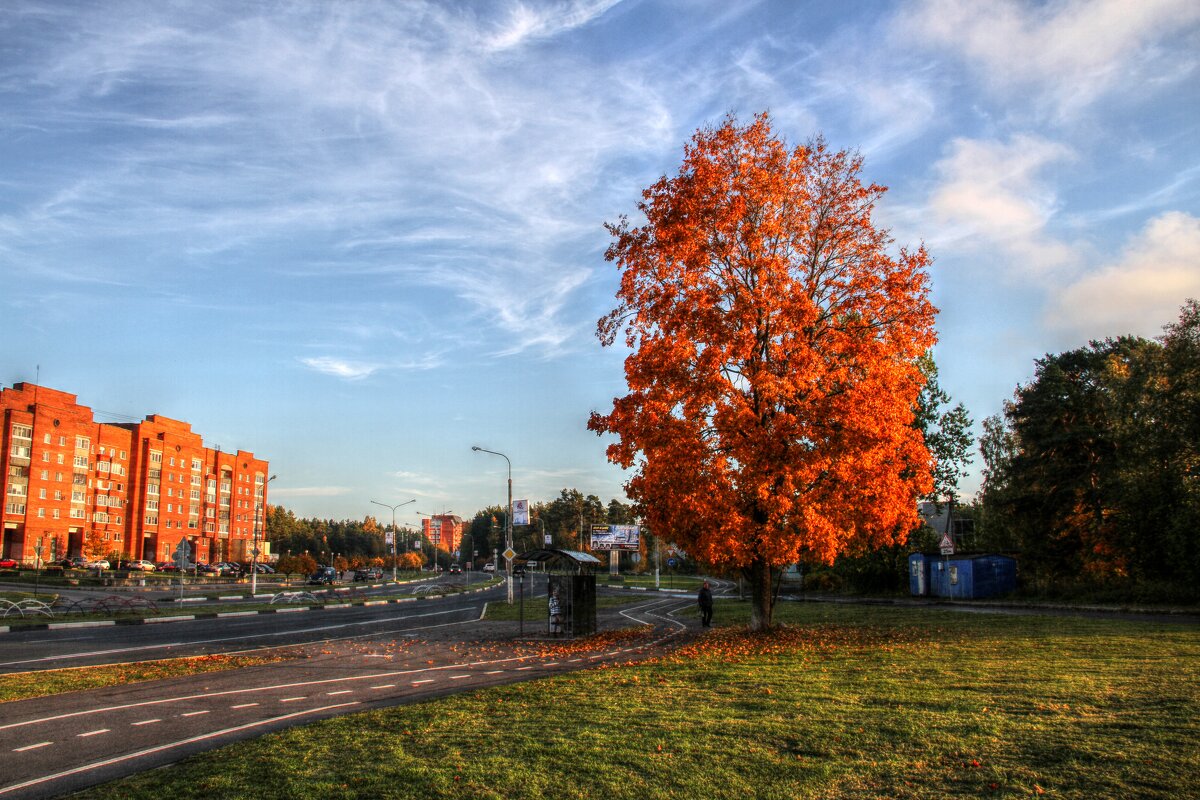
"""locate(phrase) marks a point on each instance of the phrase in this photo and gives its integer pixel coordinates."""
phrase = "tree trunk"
(762, 599)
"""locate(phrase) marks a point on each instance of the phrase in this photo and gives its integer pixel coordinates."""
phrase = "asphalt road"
(349, 660)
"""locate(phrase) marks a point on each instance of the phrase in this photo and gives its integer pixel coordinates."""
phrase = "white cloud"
(1139, 292)
(1072, 51)
(339, 368)
(991, 196)
(525, 23)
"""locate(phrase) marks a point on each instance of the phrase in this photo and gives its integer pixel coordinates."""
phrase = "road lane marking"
(495, 672)
(522, 669)
(193, 713)
(342, 691)
(96, 732)
(385, 686)
(458, 677)
(245, 705)
(31, 747)
(152, 750)
(418, 683)
(292, 699)
(145, 722)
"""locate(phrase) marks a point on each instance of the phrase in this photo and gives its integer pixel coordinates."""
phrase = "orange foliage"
(773, 372)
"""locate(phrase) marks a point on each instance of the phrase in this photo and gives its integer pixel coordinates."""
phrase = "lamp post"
(254, 551)
(394, 531)
(507, 519)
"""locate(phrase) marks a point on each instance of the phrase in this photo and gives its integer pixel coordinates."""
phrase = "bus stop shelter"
(570, 590)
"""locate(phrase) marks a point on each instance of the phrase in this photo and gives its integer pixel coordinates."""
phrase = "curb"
(105, 623)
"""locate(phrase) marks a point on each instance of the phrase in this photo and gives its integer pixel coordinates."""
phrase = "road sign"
(670, 562)
(509, 553)
(182, 553)
(946, 545)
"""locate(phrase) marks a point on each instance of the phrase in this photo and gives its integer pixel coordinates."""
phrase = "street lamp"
(434, 545)
(394, 531)
(507, 519)
(254, 550)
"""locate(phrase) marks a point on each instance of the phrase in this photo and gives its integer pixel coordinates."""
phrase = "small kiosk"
(570, 590)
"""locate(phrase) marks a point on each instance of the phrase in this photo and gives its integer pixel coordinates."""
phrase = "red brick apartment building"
(444, 531)
(81, 487)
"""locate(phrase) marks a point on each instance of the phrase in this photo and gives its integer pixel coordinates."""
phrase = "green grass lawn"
(845, 701)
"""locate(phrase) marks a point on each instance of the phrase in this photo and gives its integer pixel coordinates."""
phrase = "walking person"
(705, 600)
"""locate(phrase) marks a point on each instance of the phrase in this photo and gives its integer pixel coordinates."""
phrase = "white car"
(489, 567)
(143, 565)
(98, 564)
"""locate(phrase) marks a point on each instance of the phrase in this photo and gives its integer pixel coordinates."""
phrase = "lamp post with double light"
(507, 521)
(258, 518)
(394, 531)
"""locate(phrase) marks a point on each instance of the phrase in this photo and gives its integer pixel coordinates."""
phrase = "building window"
(54, 513)
(41, 513)
(78, 513)
(83, 443)
(152, 488)
(45, 474)
(21, 451)
(156, 457)
(196, 465)
(103, 466)
(152, 505)
(46, 439)
(22, 431)
(14, 508)
(152, 519)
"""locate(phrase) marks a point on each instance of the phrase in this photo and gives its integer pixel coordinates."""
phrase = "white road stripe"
(96, 732)
(31, 747)
(245, 705)
(168, 746)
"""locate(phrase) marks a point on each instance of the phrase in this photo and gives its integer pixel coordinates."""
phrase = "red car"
(8, 563)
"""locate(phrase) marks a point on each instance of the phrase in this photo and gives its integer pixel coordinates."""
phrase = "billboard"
(520, 511)
(616, 537)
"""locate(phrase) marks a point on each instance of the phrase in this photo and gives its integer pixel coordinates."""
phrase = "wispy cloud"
(990, 195)
(1069, 52)
(1140, 291)
(340, 368)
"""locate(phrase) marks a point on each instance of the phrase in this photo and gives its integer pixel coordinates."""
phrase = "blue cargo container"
(970, 577)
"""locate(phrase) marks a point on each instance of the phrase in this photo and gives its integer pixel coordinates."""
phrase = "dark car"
(75, 562)
(8, 563)
(455, 569)
(323, 575)
(368, 574)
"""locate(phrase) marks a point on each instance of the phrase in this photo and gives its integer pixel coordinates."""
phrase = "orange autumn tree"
(774, 365)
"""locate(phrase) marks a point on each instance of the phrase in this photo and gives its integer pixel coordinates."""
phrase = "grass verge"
(845, 701)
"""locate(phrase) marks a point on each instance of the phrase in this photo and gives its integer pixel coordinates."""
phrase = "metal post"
(508, 541)
(394, 531)
(254, 550)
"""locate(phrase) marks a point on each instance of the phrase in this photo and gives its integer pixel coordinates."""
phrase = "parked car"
(323, 575)
(206, 569)
(489, 567)
(100, 563)
(168, 566)
(228, 568)
(368, 574)
(9, 563)
(455, 569)
(75, 562)
(264, 569)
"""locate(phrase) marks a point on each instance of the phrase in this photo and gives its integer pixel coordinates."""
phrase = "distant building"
(78, 487)
(444, 531)
(944, 519)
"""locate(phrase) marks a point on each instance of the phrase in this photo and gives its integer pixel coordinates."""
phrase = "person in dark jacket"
(705, 599)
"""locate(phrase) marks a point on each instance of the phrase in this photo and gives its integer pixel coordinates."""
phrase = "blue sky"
(358, 238)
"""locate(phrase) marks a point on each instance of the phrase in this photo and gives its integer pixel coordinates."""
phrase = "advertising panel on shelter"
(616, 537)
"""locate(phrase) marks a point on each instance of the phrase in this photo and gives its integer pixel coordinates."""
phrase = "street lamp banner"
(616, 537)
(520, 512)
(388, 537)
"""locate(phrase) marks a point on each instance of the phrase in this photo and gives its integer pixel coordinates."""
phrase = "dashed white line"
(31, 747)
(458, 677)
(245, 705)
(193, 713)
(418, 683)
(145, 722)
(385, 686)
(343, 691)
(96, 732)
(292, 699)
(494, 672)
(522, 669)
